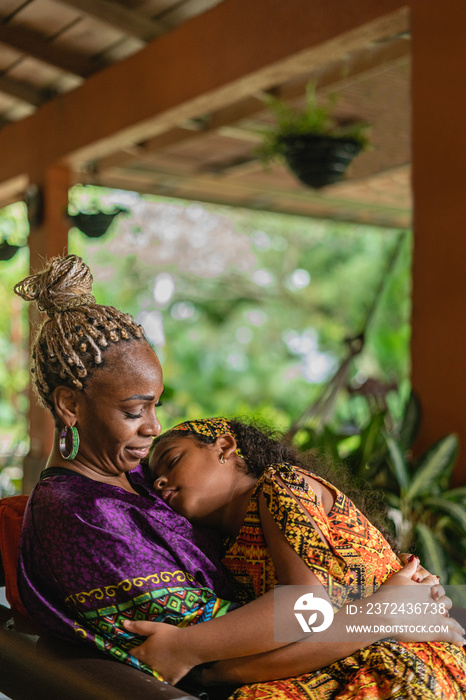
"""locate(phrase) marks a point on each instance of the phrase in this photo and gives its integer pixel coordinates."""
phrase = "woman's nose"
(160, 482)
(152, 425)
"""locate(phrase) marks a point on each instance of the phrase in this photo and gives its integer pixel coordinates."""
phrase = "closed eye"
(172, 463)
(132, 416)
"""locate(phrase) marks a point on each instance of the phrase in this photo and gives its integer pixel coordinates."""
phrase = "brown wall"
(439, 186)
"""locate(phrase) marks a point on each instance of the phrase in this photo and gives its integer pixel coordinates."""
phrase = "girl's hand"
(406, 577)
(421, 574)
(412, 573)
(164, 650)
(418, 612)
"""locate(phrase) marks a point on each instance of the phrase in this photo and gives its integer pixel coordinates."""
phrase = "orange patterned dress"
(354, 554)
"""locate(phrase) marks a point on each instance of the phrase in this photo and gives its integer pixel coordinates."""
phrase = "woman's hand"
(164, 650)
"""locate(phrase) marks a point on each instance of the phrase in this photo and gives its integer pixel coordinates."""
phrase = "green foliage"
(245, 347)
(313, 118)
(13, 353)
(427, 516)
(13, 224)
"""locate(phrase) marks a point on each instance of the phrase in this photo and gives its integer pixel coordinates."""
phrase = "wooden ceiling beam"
(179, 134)
(209, 188)
(185, 73)
(35, 45)
(119, 17)
(298, 193)
(13, 190)
(22, 91)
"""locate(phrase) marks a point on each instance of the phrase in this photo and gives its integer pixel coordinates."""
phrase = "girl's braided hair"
(78, 331)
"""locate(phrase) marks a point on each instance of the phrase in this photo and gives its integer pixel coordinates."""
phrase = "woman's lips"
(139, 452)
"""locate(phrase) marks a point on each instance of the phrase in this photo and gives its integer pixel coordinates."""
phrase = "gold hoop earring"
(74, 442)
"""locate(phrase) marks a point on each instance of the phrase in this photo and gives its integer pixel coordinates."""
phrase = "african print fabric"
(354, 553)
(209, 427)
(93, 555)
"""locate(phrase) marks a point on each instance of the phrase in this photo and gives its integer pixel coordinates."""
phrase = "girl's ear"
(226, 444)
(66, 404)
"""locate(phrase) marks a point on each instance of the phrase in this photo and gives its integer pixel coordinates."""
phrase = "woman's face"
(117, 412)
(191, 478)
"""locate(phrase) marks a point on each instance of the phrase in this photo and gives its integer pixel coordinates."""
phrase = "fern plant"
(312, 119)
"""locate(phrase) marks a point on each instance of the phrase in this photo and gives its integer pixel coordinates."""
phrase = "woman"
(98, 546)
(288, 526)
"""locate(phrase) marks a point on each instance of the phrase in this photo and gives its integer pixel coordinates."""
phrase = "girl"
(284, 525)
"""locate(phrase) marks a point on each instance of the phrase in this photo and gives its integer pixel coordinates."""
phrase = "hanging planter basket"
(7, 251)
(318, 160)
(95, 224)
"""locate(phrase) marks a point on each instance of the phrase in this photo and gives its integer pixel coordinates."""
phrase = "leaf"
(398, 464)
(393, 500)
(435, 467)
(364, 459)
(456, 512)
(411, 422)
(458, 494)
(430, 550)
(369, 437)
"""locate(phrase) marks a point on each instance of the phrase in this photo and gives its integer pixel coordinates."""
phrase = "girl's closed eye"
(172, 463)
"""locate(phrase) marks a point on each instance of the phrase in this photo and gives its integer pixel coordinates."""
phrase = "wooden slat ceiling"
(49, 47)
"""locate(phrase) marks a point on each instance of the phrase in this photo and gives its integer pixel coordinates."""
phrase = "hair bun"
(65, 283)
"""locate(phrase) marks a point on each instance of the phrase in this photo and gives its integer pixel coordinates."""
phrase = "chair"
(37, 666)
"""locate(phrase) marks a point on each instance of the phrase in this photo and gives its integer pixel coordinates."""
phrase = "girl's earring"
(222, 458)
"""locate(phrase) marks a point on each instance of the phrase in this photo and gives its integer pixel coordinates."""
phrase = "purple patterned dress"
(93, 554)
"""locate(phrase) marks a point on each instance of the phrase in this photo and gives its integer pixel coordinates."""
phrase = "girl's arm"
(335, 643)
(249, 631)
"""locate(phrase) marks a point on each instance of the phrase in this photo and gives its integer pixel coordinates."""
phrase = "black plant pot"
(318, 160)
(7, 250)
(94, 225)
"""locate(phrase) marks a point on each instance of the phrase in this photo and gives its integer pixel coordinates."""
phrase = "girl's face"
(191, 478)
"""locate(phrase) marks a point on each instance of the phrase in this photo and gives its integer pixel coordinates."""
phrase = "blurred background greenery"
(249, 311)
